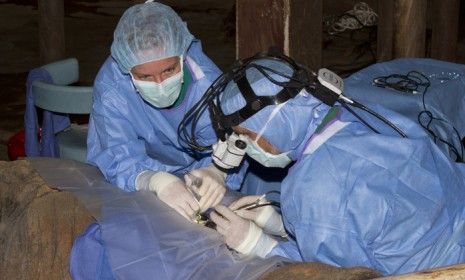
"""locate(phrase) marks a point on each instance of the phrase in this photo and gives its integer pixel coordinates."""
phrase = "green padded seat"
(73, 143)
(60, 97)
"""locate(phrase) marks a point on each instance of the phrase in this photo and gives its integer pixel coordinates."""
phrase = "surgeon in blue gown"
(156, 72)
(352, 197)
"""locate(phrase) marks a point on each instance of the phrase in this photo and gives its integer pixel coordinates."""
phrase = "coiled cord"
(415, 82)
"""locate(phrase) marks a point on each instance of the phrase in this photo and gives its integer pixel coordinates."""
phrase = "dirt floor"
(89, 26)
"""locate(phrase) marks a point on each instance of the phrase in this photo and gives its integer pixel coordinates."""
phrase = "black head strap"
(254, 103)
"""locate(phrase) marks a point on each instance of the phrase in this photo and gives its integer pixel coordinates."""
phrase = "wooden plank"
(51, 30)
(410, 28)
(305, 32)
(385, 37)
(295, 26)
(315, 270)
(445, 26)
(454, 272)
(259, 25)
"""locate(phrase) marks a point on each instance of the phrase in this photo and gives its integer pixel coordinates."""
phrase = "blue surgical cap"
(148, 32)
(285, 125)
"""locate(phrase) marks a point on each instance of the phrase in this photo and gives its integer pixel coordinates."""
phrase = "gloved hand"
(212, 188)
(242, 235)
(265, 217)
(172, 191)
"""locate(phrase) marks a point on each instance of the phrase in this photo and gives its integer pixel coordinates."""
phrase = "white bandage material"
(251, 240)
(271, 221)
(256, 243)
(160, 180)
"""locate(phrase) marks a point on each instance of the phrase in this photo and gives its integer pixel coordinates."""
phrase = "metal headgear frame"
(301, 78)
(222, 123)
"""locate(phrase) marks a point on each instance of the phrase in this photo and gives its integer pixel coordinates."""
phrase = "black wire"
(383, 119)
(261, 69)
(359, 118)
(209, 223)
(187, 137)
(416, 82)
(270, 203)
(452, 148)
(410, 82)
(193, 115)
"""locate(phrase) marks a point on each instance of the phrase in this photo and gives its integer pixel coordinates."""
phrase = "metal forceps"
(252, 205)
(193, 186)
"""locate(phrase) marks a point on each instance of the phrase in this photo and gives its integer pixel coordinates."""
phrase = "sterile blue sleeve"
(385, 202)
(444, 98)
(88, 256)
(122, 153)
(128, 136)
(287, 249)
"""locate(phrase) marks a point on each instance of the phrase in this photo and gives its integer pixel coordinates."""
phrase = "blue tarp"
(143, 237)
(445, 98)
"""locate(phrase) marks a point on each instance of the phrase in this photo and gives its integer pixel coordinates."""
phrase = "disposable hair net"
(290, 119)
(148, 32)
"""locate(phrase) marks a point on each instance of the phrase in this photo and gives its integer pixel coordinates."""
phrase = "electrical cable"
(194, 114)
(345, 105)
(211, 99)
(270, 203)
(415, 82)
(187, 136)
(209, 223)
(383, 119)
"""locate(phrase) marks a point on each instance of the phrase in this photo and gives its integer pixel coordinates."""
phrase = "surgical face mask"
(264, 158)
(161, 95)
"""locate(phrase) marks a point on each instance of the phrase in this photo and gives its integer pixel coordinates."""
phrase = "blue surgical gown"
(356, 198)
(444, 98)
(127, 135)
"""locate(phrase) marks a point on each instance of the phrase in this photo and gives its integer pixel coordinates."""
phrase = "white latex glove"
(172, 191)
(265, 217)
(212, 189)
(242, 235)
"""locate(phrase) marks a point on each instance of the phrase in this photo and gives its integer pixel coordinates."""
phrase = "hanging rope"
(360, 16)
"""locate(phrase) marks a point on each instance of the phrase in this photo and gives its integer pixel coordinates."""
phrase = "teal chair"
(60, 97)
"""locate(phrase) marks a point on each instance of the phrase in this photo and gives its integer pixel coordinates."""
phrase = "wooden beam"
(51, 30)
(294, 26)
(454, 272)
(445, 26)
(306, 32)
(410, 28)
(385, 36)
(259, 25)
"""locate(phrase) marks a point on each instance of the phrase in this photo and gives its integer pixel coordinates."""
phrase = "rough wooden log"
(306, 32)
(410, 28)
(445, 28)
(385, 35)
(38, 225)
(294, 26)
(319, 271)
(454, 272)
(401, 29)
(51, 30)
